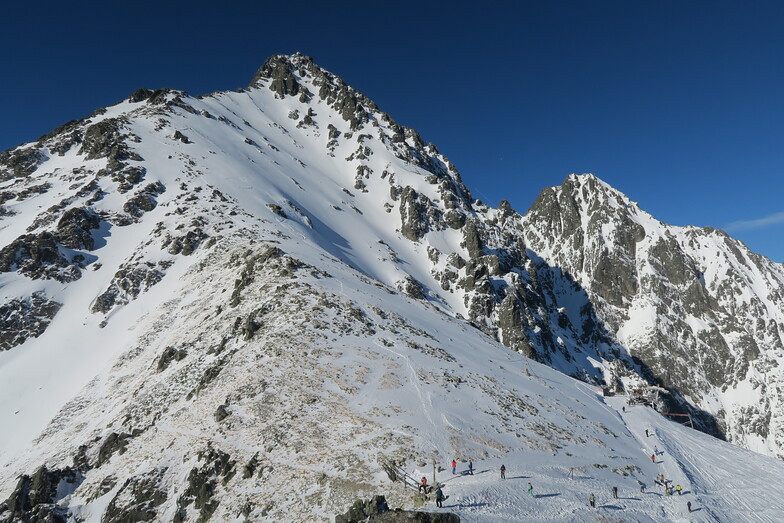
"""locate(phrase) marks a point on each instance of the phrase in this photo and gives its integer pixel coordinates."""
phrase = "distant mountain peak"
(591, 189)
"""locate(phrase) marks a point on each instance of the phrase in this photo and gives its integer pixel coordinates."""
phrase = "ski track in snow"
(425, 402)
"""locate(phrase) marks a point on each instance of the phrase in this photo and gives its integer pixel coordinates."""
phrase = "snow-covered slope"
(259, 297)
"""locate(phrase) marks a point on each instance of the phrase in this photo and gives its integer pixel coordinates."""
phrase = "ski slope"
(724, 483)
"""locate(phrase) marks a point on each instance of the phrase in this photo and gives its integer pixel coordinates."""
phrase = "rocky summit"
(245, 306)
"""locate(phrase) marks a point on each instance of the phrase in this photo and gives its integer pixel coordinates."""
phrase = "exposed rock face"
(137, 500)
(114, 443)
(34, 497)
(103, 140)
(278, 69)
(73, 229)
(511, 326)
(128, 177)
(473, 242)
(25, 318)
(376, 509)
(144, 200)
(169, 355)
(410, 287)
(413, 211)
(203, 484)
(38, 257)
(702, 338)
(19, 162)
(127, 283)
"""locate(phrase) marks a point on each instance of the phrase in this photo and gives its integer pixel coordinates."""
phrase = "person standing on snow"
(642, 486)
(688, 505)
(653, 458)
(471, 467)
(646, 433)
(678, 488)
(531, 490)
(615, 492)
(592, 500)
(439, 497)
(503, 472)
(423, 485)
(454, 467)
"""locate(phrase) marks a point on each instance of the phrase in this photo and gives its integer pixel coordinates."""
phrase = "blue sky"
(677, 104)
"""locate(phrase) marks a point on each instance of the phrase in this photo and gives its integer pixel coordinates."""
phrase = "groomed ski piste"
(724, 483)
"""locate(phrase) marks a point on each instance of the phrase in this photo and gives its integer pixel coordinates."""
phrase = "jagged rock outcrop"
(24, 318)
(73, 229)
(377, 510)
(19, 162)
(35, 496)
(38, 256)
(144, 200)
(128, 283)
(661, 293)
(137, 500)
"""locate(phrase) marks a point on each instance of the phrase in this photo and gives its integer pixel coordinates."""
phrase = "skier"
(678, 488)
(471, 467)
(454, 467)
(592, 500)
(615, 492)
(656, 450)
(653, 458)
(642, 486)
(439, 497)
(423, 485)
(688, 505)
(531, 490)
(646, 433)
(623, 408)
(503, 472)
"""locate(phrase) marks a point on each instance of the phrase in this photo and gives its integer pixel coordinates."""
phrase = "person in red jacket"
(503, 472)
(423, 485)
(454, 467)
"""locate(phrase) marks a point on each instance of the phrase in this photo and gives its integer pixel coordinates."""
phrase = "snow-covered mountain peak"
(154, 251)
(663, 292)
(590, 195)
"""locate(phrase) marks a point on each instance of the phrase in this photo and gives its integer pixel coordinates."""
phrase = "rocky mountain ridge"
(153, 252)
(701, 312)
